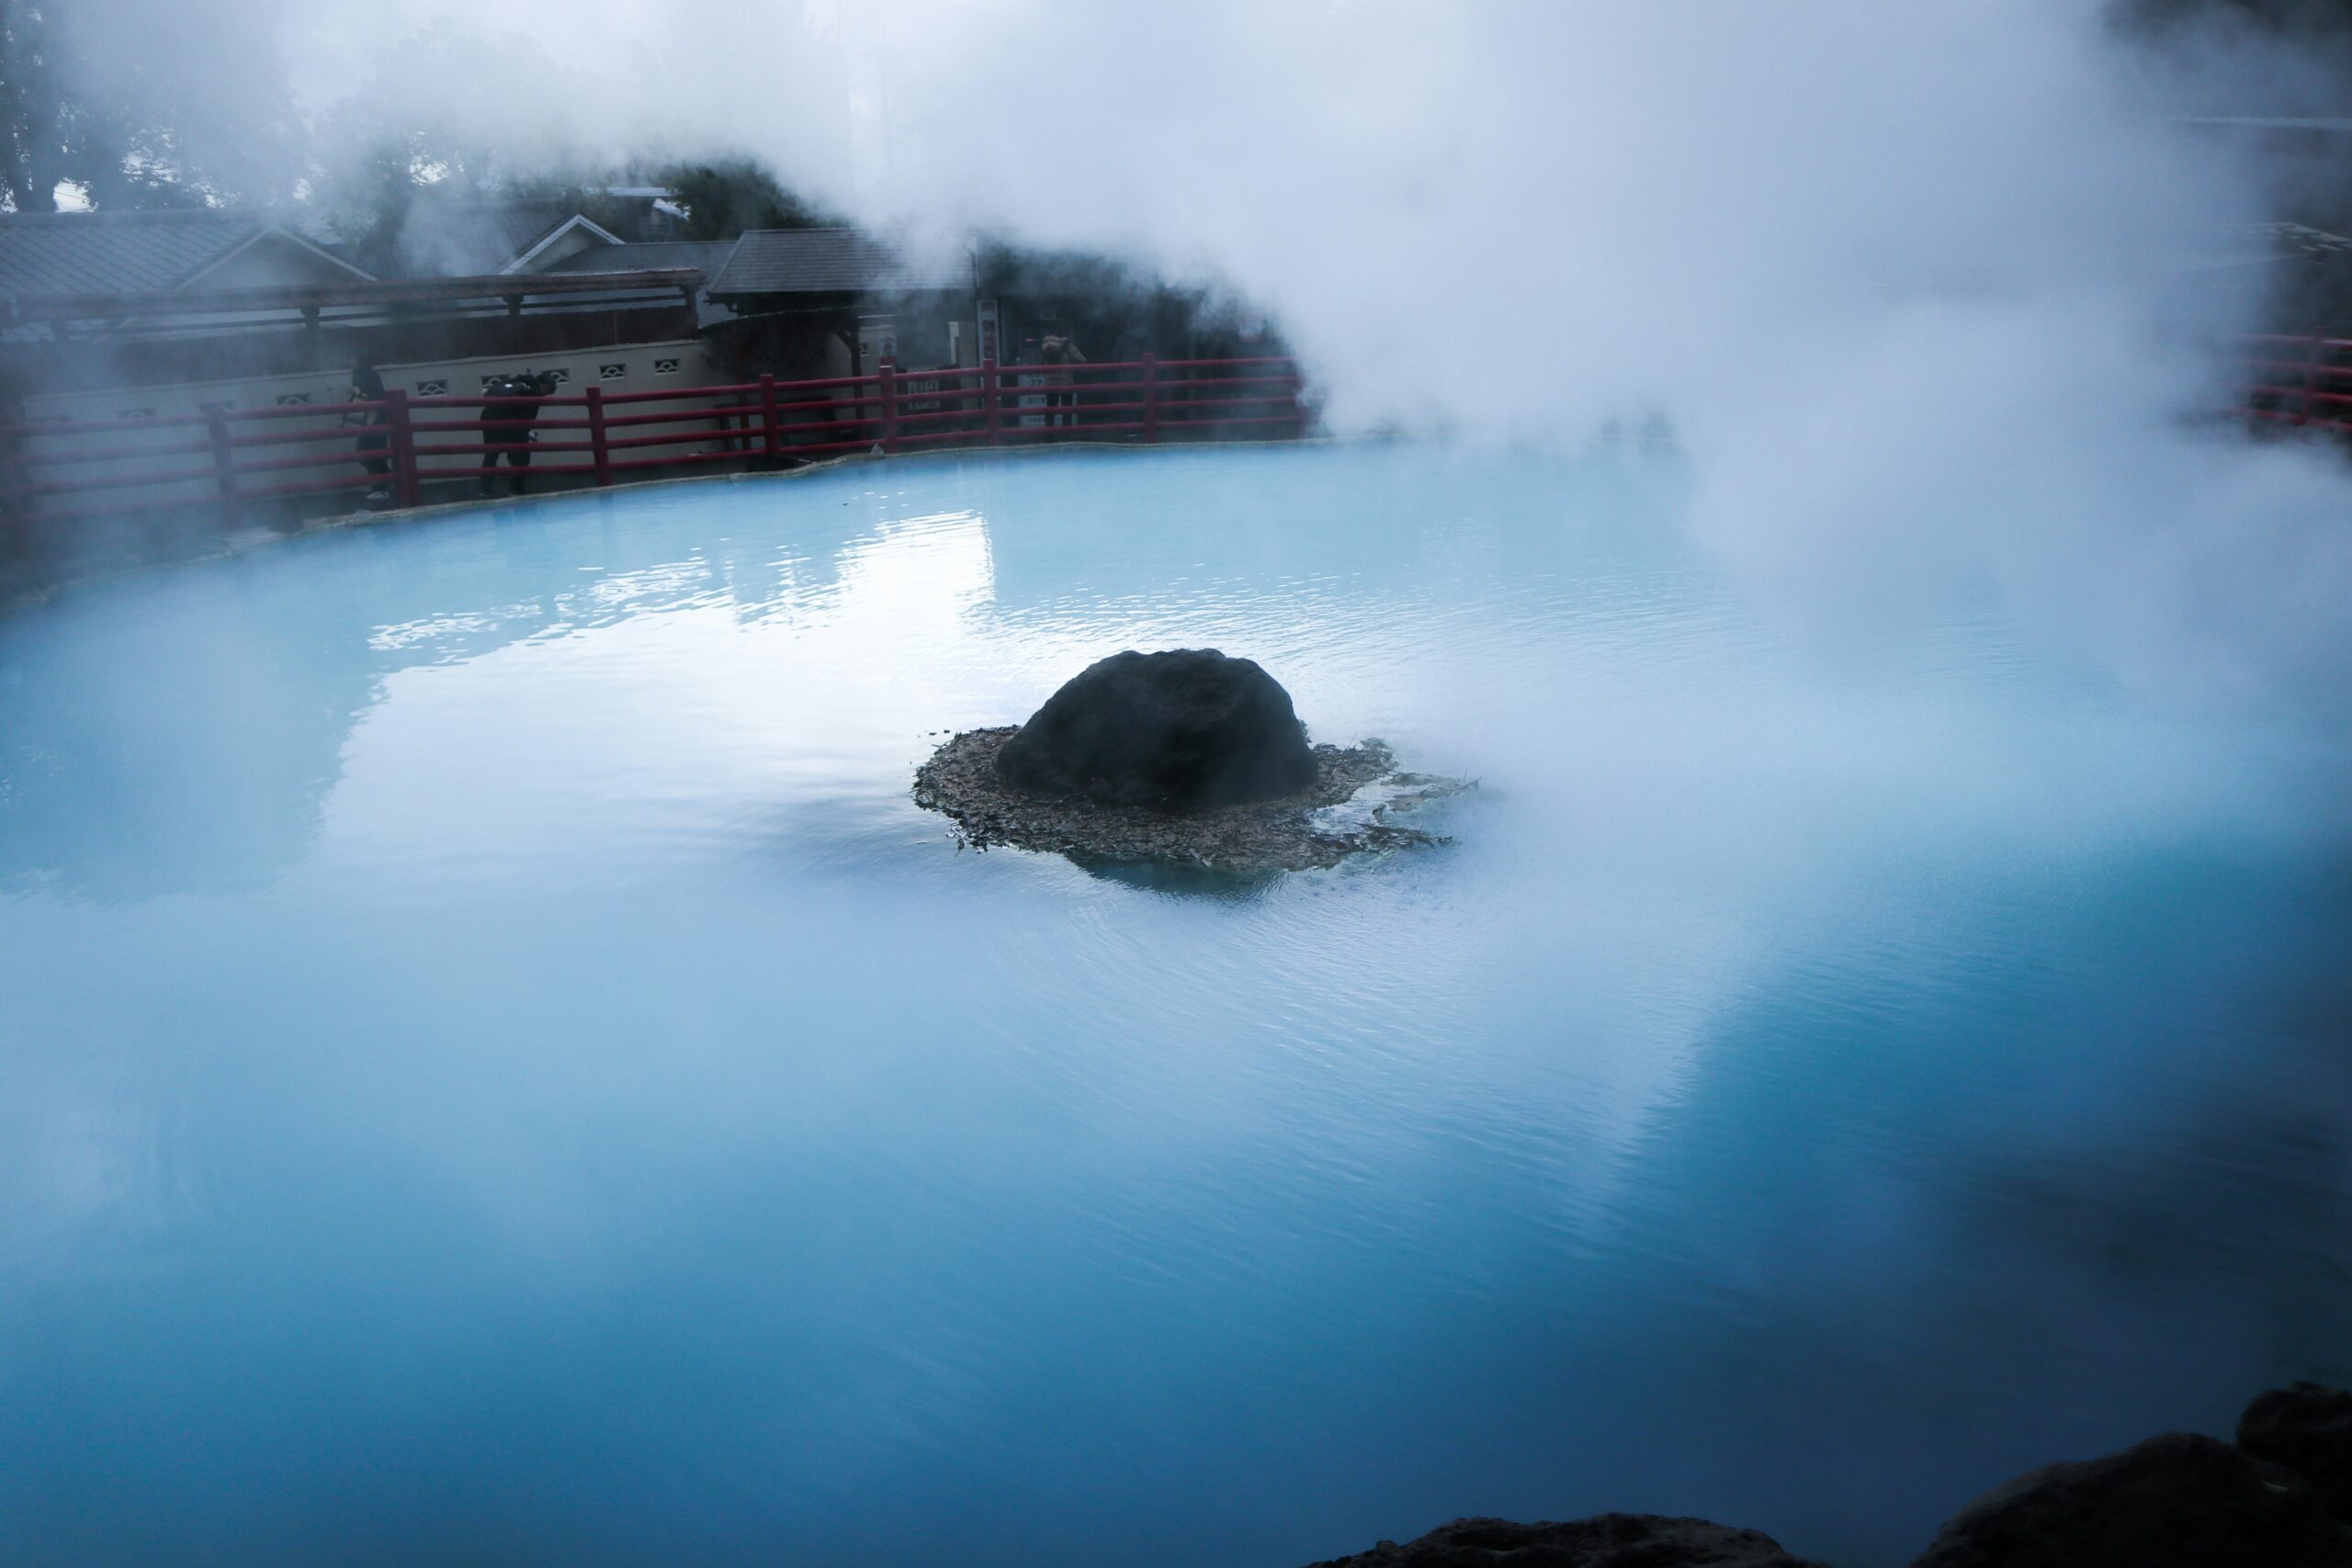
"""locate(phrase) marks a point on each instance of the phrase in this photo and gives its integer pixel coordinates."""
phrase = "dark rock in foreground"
(2176, 1501)
(2179, 1499)
(1187, 730)
(2308, 1429)
(1608, 1540)
(1292, 832)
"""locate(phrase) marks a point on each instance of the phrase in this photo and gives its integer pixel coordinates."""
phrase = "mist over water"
(496, 1068)
(1923, 290)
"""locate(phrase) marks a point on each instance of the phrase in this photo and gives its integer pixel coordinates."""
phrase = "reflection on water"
(495, 1066)
(1176, 878)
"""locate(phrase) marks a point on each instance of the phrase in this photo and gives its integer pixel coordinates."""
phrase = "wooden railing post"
(988, 398)
(2310, 378)
(599, 453)
(769, 425)
(1151, 398)
(224, 462)
(396, 418)
(888, 378)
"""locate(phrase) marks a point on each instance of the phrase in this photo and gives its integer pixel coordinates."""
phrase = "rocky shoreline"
(2279, 1497)
(1305, 829)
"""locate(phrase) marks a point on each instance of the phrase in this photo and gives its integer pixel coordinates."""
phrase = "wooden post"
(988, 398)
(224, 462)
(403, 447)
(1151, 398)
(890, 379)
(598, 453)
(769, 425)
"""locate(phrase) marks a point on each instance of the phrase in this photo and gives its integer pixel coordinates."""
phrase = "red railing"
(2296, 380)
(242, 460)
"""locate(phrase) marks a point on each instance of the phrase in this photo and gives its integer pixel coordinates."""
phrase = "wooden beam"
(311, 296)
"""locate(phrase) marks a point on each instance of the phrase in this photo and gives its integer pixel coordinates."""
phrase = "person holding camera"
(504, 407)
(368, 387)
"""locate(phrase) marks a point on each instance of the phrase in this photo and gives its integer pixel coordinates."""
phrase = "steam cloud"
(1905, 280)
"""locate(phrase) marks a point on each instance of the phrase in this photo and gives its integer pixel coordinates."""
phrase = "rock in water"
(1607, 1540)
(1288, 833)
(2178, 1501)
(2307, 1428)
(1188, 764)
(1187, 730)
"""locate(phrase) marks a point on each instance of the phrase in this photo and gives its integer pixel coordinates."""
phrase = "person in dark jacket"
(503, 396)
(1060, 350)
(368, 387)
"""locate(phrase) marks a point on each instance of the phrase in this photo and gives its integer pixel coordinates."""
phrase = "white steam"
(1906, 278)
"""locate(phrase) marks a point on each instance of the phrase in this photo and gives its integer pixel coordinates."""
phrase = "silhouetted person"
(368, 387)
(503, 393)
(1058, 350)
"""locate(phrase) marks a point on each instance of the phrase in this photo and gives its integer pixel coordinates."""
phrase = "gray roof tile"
(831, 261)
(708, 255)
(76, 252)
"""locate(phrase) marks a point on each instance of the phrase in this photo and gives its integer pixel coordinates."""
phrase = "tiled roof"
(708, 256)
(76, 252)
(831, 261)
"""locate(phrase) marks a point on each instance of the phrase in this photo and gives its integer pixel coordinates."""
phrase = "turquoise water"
(494, 1069)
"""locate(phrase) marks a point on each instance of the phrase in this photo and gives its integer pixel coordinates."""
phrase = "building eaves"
(577, 221)
(283, 235)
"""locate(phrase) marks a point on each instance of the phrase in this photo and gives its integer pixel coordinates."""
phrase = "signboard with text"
(988, 343)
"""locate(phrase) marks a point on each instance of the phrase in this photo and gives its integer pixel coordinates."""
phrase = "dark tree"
(725, 198)
(48, 130)
(130, 103)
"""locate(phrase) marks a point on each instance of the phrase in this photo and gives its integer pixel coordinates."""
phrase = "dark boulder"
(2176, 1501)
(1606, 1540)
(1178, 731)
(2308, 1429)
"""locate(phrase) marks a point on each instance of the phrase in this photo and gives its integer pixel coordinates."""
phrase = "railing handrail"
(2312, 390)
(404, 441)
(579, 399)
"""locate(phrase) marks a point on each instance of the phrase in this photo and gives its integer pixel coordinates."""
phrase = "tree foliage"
(130, 123)
(54, 133)
(724, 197)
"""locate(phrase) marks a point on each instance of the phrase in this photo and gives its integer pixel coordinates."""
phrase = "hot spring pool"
(494, 1067)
